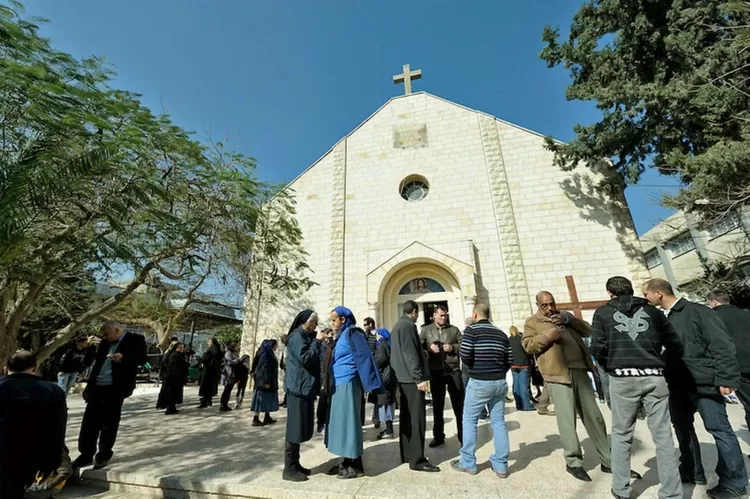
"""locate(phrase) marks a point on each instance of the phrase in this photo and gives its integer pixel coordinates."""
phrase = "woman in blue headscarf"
(386, 397)
(266, 388)
(352, 371)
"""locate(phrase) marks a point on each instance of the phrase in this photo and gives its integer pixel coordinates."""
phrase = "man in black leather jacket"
(442, 343)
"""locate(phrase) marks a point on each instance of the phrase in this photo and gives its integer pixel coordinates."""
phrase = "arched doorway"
(428, 284)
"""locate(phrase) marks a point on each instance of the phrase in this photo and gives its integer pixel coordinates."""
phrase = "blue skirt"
(344, 431)
(265, 401)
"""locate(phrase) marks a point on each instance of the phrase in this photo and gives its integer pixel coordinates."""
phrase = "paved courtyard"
(202, 453)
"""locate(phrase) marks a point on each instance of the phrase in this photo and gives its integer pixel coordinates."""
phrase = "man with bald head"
(112, 380)
(705, 371)
(556, 338)
(485, 350)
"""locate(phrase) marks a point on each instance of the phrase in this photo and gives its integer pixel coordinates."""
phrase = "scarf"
(385, 335)
(300, 320)
(347, 314)
(266, 348)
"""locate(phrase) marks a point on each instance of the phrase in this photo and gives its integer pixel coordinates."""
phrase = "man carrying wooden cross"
(564, 361)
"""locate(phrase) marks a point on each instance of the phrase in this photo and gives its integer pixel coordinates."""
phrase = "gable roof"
(466, 108)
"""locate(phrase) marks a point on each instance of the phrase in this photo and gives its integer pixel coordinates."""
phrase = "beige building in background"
(430, 201)
(675, 248)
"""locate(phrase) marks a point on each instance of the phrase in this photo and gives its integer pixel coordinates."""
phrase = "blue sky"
(284, 80)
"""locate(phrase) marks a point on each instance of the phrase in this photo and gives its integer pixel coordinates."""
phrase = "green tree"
(91, 179)
(671, 80)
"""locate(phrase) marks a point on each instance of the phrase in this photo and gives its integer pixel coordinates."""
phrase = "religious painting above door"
(421, 285)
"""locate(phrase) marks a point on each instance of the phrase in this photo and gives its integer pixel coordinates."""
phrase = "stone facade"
(500, 221)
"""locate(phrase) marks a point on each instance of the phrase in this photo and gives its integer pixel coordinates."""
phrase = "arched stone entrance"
(426, 276)
(443, 289)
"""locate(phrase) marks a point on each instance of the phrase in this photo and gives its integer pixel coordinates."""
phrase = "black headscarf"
(300, 320)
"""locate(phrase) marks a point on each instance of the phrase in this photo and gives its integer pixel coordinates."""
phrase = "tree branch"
(64, 334)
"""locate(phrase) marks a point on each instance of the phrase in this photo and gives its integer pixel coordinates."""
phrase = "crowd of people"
(664, 358)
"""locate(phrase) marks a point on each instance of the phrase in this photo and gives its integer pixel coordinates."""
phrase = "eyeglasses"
(547, 305)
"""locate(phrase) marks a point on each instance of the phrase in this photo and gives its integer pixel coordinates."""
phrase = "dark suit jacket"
(133, 350)
(738, 327)
(33, 415)
(408, 360)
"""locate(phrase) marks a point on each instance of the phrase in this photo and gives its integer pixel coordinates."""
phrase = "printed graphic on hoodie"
(635, 326)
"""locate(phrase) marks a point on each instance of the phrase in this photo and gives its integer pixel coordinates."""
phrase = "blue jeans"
(386, 412)
(521, 391)
(66, 381)
(712, 408)
(478, 394)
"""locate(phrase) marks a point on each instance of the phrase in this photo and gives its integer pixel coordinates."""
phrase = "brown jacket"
(541, 338)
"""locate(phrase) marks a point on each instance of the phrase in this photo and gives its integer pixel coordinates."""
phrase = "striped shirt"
(486, 351)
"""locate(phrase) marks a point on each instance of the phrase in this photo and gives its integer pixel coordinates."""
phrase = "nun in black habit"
(175, 378)
(211, 372)
(302, 385)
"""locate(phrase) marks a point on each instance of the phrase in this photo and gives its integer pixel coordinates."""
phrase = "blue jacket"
(302, 374)
(367, 368)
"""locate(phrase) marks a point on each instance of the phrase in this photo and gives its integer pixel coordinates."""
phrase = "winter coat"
(628, 337)
(73, 361)
(520, 357)
(177, 368)
(709, 357)
(231, 359)
(33, 415)
(267, 374)
(442, 362)
(302, 374)
(738, 327)
(387, 396)
(538, 334)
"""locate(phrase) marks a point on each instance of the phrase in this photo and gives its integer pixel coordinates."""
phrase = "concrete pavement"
(204, 453)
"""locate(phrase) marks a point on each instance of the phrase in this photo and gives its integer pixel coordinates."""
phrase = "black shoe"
(377, 425)
(633, 474)
(436, 442)
(720, 492)
(696, 481)
(614, 494)
(349, 472)
(82, 461)
(268, 420)
(426, 467)
(294, 475)
(202, 406)
(258, 422)
(170, 412)
(385, 435)
(579, 473)
(225, 408)
(98, 465)
(303, 470)
(335, 470)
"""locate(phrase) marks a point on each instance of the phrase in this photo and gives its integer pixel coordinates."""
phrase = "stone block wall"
(496, 202)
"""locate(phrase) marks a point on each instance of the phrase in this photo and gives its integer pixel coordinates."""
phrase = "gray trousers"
(628, 394)
(578, 398)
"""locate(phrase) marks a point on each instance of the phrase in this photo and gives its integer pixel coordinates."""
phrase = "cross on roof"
(574, 304)
(406, 77)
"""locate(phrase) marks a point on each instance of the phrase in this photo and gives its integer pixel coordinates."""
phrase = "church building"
(430, 201)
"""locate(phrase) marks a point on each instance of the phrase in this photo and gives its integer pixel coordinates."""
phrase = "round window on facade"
(414, 188)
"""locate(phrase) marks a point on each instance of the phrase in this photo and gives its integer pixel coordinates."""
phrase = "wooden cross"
(575, 304)
(406, 77)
